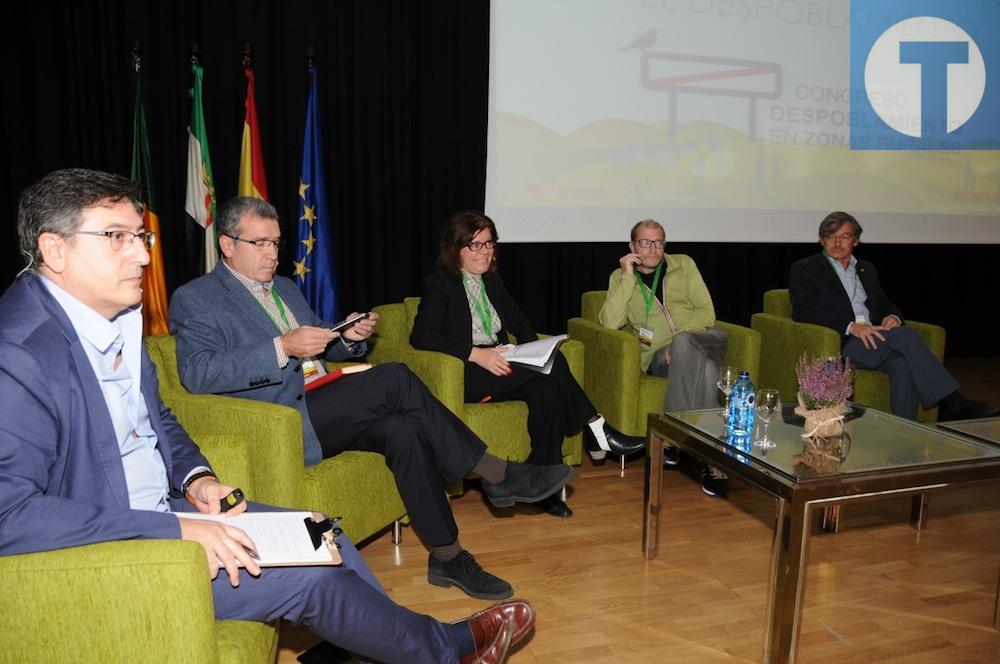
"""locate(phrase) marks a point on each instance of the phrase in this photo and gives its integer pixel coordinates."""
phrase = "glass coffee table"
(876, 456)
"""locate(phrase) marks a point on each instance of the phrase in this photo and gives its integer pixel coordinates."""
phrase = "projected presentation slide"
(726, 120)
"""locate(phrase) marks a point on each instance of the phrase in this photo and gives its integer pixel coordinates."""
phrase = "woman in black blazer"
(465, 311)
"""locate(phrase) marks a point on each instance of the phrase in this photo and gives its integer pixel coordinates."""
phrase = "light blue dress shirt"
(145, 473)
(852, 285)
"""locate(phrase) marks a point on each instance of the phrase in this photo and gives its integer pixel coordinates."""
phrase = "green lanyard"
(649, 294)
(482, 305)
(281, 310)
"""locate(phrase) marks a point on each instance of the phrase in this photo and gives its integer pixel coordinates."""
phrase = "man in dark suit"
(839, 291)
(243, 332)
(89, 453)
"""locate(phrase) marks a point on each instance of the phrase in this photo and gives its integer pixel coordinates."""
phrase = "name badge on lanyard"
(645, 336)
(308, 368)
(648, 298)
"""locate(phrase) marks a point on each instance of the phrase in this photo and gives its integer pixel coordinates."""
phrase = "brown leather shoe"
(496, 641)
(485, 623)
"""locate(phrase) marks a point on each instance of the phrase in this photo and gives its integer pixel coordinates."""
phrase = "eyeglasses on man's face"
(120, 239)
(261, 244)
(646, 243)
(843, 238)
(476, 245)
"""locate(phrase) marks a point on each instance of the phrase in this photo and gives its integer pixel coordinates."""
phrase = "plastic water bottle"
(739, 444)
(741, 406)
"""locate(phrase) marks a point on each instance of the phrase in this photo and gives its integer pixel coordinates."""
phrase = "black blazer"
(819, 297)
(444, 321)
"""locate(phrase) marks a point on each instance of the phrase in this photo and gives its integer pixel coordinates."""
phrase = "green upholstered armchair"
(503, 426)
(268, 438)
(139, 600)
(130, 601)
(784, 341)
(622, 392)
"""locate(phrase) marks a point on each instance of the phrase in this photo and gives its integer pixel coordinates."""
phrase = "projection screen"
(726, 120)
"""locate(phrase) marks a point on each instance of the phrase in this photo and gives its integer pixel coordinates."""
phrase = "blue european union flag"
(314, 271)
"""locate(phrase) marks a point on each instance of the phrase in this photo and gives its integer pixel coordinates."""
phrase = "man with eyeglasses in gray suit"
(244, 332)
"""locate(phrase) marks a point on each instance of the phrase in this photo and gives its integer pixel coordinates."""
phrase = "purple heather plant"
(824, 381)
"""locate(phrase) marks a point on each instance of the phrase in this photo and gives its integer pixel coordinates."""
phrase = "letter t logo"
(933, 59)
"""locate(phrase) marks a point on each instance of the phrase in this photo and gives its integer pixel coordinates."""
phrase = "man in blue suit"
(89, 453)
(244, 332)
(837, 290)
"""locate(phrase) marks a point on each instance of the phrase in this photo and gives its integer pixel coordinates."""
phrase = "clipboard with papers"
(285, 539)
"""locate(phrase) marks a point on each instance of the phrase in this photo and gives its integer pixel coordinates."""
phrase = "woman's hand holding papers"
(492, 360)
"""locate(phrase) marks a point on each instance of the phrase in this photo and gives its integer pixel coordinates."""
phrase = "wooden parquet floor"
(878, 591)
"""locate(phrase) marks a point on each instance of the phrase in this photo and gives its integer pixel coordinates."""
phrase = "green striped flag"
(154, 281)
(200, 201)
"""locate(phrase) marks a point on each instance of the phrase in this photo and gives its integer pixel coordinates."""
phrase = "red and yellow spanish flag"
(154, 283)
(252, 180)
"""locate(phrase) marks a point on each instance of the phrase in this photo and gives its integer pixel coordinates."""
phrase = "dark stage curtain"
(403, 89)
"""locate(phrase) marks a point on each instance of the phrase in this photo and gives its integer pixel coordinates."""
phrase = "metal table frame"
(796, 501)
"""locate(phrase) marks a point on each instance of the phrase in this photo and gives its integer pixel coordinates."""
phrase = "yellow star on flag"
(302, 189)
(309, 242)
(300, 268)
(309, 214)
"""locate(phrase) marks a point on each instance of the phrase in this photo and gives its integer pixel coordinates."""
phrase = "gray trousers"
(693, 370)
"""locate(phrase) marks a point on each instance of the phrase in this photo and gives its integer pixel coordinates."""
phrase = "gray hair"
(835, 220)
(55, 204)
(228, 219)
(647, 223)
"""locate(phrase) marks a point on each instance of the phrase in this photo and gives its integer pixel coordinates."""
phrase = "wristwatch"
(197, 476)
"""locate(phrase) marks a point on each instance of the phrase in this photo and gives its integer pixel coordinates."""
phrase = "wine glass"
(768, 403)
(727, 378)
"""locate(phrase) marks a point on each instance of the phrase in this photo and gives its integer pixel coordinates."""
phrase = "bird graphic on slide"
(643, 41)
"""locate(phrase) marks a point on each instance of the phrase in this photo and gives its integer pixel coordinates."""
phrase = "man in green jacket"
(664, 300)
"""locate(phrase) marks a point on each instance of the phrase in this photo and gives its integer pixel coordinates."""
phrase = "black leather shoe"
(619, 443)
(975, 410)
(463, 571)
(325, 652)
(527, 484)
(552, 505)
(957, 406)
